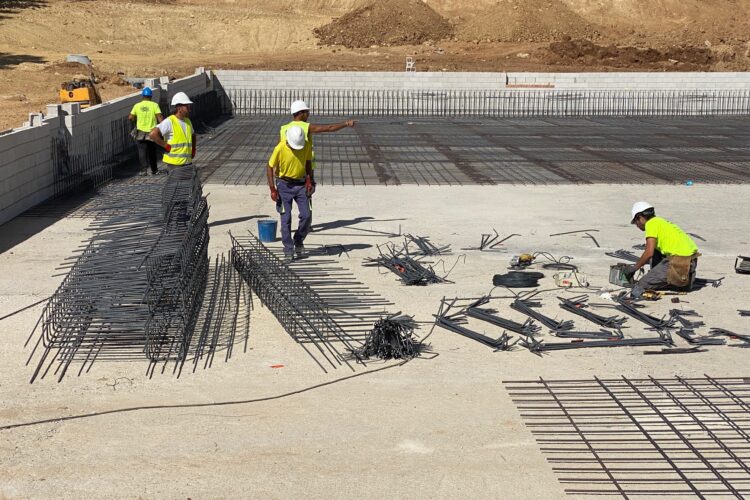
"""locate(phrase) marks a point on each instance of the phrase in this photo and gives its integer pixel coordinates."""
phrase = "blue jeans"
(288, 192)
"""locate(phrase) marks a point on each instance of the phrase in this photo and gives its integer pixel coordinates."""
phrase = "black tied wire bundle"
(409, 270)
(517, 279)
(391, 338)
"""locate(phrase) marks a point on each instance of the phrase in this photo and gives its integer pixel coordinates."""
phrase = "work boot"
(300, 250)
(288, 257)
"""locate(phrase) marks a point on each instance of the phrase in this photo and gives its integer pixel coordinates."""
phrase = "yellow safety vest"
(181, 143)
(306, 128)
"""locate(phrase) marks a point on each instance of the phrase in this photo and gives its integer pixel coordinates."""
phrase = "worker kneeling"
(672, 253)
(289, 175)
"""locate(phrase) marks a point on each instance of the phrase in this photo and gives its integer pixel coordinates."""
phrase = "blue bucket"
(267, 230)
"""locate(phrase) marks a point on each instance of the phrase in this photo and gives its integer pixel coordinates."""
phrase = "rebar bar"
(527, 307)
(578, 305)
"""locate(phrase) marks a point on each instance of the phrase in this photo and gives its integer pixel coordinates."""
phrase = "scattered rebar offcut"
(408, 269)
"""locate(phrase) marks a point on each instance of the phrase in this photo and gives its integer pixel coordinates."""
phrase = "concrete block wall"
(26, 177)
(351, 80)
(630, 81)
(93, 138)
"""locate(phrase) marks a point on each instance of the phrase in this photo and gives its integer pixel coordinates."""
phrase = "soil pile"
(386, 23)
(524, 21)
(588, 52)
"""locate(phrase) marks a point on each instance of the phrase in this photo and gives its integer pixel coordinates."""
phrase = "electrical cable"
(561, 264)
(197, 405)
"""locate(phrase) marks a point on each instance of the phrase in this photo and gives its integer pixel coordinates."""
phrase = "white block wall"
(26, 164)
(353, 80)
(630, 81)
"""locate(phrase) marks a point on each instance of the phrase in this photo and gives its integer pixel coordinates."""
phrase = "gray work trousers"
(293, 192)
(656, 278)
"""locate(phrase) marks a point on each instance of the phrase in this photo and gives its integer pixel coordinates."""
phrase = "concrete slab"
(438, 427)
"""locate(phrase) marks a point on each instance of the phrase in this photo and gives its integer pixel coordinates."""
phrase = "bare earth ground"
(152, 38)
(435, 428)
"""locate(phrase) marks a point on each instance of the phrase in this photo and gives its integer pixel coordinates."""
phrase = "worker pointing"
(672, 253)
(289, 176)
(300, 114)
(176, 134)
(145, 115)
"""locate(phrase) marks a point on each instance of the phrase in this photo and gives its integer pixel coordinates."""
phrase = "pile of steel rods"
(409, 269)
(490, 316)
(299, 309)
(391, 338)
(525, 306)
(633, 311)
(425, 246)
(137, 285)
(452, 322)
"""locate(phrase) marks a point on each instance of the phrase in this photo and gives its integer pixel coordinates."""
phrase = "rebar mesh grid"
(642, 437)
(300, 310)
(496, 103)
(137, 286)
(491, 151)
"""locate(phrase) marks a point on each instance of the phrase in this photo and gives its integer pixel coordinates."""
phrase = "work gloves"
(629, 272)
(309, 186)
(275, 195)
(167, 148)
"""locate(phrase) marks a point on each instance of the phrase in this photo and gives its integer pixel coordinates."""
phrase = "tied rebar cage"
(138, 284)
(493, 103)
(299, 309)
(642, 437)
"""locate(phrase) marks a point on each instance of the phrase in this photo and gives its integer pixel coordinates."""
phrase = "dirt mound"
(386, 23)
(588, 52)
(524, 21)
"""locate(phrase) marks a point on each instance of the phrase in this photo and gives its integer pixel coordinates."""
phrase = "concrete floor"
(438, 427)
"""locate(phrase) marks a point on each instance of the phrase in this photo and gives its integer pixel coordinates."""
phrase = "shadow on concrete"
(8, 60)
(325, 226)
(10, 8)
(236, 220)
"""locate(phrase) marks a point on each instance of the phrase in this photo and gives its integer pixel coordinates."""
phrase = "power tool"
(521, 261)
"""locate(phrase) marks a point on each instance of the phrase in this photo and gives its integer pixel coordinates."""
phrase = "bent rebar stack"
(137, 287)
(299, 309)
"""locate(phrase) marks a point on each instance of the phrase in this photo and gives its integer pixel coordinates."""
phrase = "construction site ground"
(151, 38)
(273, 424)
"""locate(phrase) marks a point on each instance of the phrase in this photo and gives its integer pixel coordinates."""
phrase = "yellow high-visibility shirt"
(145, 113)
(308, 140)
(289, 163)
(670, 239)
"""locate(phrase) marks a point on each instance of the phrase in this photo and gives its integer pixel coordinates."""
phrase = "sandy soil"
(439, 428)
(144, 38)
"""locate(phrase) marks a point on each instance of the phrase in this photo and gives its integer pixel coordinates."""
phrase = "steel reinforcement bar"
(494, 103)
(299, 309)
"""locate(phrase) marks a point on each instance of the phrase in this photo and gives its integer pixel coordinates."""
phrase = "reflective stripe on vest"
(181, 143)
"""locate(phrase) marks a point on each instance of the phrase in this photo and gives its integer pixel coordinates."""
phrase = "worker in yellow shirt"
(289, 175)
(300, 114)
(672, 253)
(145, 115)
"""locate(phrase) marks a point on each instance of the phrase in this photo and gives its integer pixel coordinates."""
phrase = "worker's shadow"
(325, 226)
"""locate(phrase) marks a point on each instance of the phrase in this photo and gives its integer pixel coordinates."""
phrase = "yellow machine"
(80, 90)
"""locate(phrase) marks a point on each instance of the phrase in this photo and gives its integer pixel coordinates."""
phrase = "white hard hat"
(298, 106)
(295, 136)
(181, 98)
(639, 207)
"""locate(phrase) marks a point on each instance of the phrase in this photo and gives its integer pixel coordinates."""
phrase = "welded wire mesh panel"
(498, 103)
(682, 437)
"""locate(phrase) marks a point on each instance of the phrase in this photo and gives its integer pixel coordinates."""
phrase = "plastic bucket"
(267, 230)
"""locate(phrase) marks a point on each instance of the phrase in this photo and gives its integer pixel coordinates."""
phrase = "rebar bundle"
(409, 269)
(138, 284)
(299, 309)
(578, 306)
(451, 322)
(632, 310)
(426, 247)
(490, 316)
(526, 307)
(391, 338)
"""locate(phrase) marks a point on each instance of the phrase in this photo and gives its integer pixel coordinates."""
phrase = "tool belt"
(678, 274)
(139, 135)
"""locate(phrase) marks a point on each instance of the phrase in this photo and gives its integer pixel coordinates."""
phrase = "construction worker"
(673, 255)
(176, 134)
(289, 176)
(300, 114)
(145, 115)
